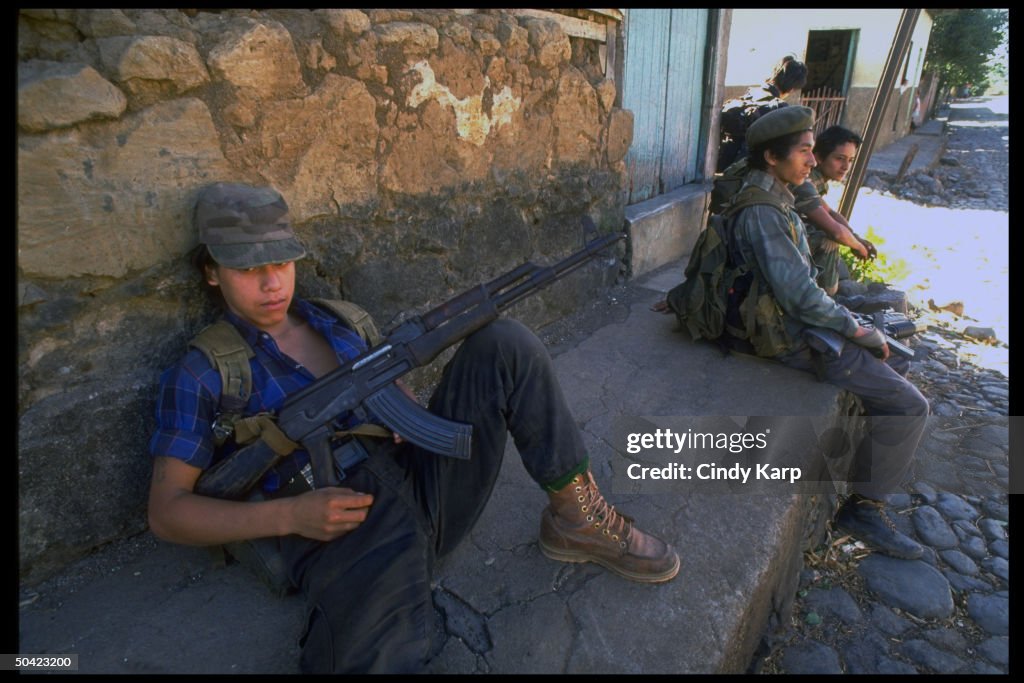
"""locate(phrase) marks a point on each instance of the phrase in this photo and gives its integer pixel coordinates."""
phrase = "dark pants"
(368, 592)
(897, 413)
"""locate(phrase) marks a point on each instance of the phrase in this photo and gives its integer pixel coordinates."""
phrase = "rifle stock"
(365, 387)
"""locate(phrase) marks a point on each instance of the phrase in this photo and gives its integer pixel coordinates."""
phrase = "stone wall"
(420, 151)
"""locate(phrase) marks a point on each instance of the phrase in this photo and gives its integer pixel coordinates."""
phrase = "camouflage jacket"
(777, 245)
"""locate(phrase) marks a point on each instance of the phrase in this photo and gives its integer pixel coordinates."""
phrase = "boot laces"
(879, 508)
(599, 512)
(888, 521)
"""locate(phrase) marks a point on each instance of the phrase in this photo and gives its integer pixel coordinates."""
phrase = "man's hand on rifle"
(873, 341)
(328, 513)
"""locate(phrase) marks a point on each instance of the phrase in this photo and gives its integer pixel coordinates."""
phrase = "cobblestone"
(959, 483)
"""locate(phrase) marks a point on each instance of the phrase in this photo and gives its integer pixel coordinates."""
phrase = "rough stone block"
(83, 94)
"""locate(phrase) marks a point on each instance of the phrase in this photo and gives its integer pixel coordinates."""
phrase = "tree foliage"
(961, 43)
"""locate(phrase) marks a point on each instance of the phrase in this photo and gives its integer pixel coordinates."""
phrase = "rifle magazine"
(416, 424)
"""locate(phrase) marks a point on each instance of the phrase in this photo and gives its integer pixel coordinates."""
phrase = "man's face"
(837, 164)
(797, 165)
(260, 295)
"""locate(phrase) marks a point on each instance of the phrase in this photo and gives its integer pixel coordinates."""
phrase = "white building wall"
(759, 38)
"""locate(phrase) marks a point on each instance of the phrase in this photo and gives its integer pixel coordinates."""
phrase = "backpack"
(727, 184)
(229, 353)
(719, 296)
(737, 115)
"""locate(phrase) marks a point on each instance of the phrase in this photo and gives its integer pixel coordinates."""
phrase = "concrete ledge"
(931, 127)
(663, 229)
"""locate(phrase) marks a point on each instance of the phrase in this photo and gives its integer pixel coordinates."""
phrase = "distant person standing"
(739, 113)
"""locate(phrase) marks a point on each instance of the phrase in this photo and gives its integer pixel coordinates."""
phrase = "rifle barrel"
(543, 277)
(473, 296)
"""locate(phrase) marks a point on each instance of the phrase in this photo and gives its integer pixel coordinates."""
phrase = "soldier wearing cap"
(772, 238)
(362, 552)
(826, 228)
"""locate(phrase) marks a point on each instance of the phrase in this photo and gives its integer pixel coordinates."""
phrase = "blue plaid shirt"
(190, 393)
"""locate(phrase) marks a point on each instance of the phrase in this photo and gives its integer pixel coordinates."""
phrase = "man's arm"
(841, 219)
(835, 226)
(792, 285)
(811, 204)
(178, 515)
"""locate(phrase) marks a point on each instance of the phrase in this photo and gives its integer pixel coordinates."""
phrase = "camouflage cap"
(782, 121)
(245, 226)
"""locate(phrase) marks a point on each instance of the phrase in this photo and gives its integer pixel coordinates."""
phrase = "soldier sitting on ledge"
(827, 229)
(362, 553)
(775, 243)
(780, 299)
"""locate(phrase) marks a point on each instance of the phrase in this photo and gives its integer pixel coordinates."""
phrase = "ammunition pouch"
(754, 319)
(768, 332)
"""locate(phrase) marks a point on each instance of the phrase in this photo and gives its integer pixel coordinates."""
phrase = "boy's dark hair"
(201, 260)
(779, 147)
(789, 74)
(833, 137)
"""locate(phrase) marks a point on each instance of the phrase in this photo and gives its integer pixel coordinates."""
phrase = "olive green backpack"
(701, 301)
(727, 184)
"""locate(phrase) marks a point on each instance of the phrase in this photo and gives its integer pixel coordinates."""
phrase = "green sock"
(563, 481)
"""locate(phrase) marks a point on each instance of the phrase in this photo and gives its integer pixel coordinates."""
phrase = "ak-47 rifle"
(893, 326)
(365, 385)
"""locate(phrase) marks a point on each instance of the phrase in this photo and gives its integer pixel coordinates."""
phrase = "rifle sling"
(263, 426)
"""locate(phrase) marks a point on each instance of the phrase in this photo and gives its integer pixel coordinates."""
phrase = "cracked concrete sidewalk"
(144, 606)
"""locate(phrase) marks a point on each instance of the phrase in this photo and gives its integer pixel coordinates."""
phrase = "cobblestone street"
(862, 612)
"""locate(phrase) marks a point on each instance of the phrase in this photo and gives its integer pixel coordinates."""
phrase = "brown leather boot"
(580, 526)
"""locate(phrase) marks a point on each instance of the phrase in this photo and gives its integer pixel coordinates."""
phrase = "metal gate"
(828, 107)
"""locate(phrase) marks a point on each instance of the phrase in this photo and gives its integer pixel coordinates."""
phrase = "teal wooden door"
(663, 85)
